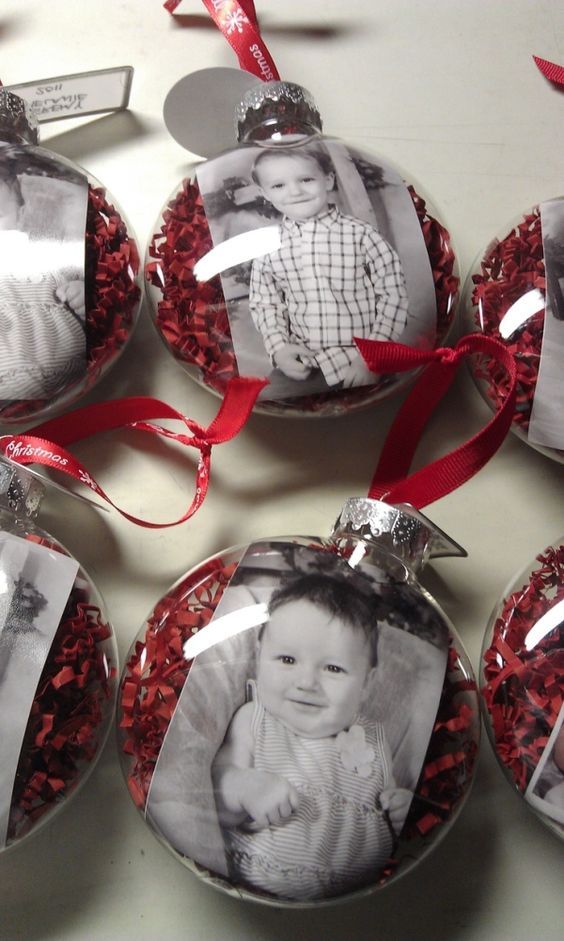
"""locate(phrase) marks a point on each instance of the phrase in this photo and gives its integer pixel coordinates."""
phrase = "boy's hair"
(314, 153)
(339, 597)
(12, 182)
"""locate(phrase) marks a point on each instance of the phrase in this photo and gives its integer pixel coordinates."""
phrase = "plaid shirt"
(333, 278)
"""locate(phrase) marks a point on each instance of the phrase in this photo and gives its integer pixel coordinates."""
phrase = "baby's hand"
(294, 361)
(396, 801)
(72, 294)
(358, 374)
(269, 799)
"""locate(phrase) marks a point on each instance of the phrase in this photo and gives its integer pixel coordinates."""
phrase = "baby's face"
(9, 207)
(296, 186)
(312, 670)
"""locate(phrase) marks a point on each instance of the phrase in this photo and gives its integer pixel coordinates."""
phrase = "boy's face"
(296, 186)
(9, 207)
(312, 669)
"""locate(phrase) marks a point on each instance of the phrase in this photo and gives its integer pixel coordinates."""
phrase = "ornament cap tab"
(401, 530)
(18, 124)
(20, 491)
(276, 106)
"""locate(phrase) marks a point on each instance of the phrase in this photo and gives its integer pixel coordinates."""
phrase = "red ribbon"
(238, 23)
(390, 481)
(44, 444)
(551, 71)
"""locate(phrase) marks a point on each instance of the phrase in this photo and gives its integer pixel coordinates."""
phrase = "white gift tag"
(199, 111)
(67, 96)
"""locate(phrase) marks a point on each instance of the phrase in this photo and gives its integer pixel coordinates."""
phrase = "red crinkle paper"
(509, 269)
(524, 689)
(112, 297)
(192, 315)
(156, 672)
(69, 715)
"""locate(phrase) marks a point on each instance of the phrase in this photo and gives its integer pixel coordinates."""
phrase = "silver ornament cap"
(18, 124)
(20, 492)
(401, 530)
(276, 106)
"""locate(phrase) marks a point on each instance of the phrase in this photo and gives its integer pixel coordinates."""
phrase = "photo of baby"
(42, 300)
(323, 273)
(313, 767)
(546, 788)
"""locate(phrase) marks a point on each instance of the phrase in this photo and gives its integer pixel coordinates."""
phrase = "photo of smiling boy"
(333, 278)
(303, 781)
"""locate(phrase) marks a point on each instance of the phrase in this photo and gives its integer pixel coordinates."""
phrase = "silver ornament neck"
(401, 531)
(272, 108)
(18, 124)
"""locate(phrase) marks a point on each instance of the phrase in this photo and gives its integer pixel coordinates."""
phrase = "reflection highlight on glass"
(226, 626)
(545, 625)
(522, 310)
(237, 250)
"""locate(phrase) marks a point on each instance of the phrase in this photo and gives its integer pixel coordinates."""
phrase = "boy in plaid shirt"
(333, 277)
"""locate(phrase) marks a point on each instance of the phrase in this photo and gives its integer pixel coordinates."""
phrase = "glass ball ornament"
(70, 282)
(241, 281)
(380, 731)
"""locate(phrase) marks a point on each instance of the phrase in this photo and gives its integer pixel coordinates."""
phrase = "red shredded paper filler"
(523, 689)
(70, 711)
(509, 269)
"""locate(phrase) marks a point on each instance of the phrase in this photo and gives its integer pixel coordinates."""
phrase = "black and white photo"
(546, 788)
(291, 760)
(546, 426)
(35, 584)
(310, 258)
(42, 275)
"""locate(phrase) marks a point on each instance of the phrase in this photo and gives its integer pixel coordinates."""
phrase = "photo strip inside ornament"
(273, 256)
(58, 665)
(298, 723)
(522, 685)
(515, 293)
(69, 275)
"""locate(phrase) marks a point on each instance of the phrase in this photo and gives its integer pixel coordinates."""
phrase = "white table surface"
(448, 91)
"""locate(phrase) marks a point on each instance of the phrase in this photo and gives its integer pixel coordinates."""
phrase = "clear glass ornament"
(69, 282)
(522, 684)
(385, 703)
(244, 280)
(58, 665)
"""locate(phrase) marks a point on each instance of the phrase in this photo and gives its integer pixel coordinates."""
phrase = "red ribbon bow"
(390, 481)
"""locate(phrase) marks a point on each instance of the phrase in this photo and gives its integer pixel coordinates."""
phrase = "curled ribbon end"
(554, 73)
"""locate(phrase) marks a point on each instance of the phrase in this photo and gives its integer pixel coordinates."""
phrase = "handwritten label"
(66, 96)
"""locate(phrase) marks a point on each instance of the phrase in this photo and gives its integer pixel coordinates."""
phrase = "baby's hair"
(339, 597)
(314, 153)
